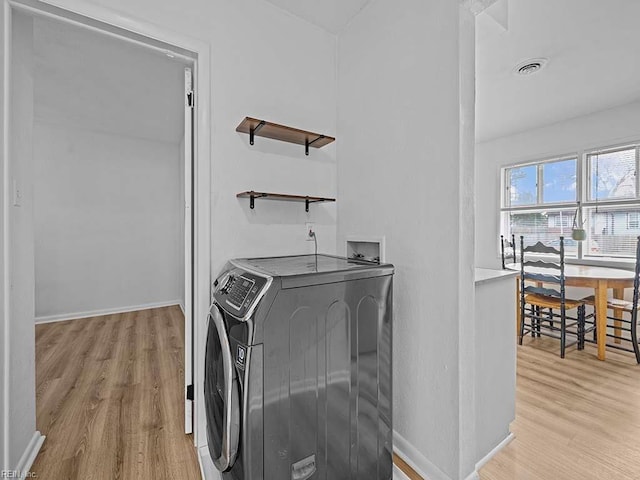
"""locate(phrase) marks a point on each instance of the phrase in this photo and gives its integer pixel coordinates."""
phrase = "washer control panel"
(237, 291)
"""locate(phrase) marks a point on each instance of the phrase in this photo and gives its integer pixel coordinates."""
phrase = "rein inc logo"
(17, 474)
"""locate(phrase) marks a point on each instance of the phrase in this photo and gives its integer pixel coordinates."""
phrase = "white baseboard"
(473, 476)
(493, 452)
(416, 460)
(181, 305)
(108, 311)
(428, 470)
(398, 474)
(30, 454)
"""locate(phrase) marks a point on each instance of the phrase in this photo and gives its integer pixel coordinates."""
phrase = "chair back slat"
(633, 326)
(555, 275)
(541, 264)
(549, 292)
(634, 308)
(540, 247)
(542, 277)
(636, 284)
(507, 250)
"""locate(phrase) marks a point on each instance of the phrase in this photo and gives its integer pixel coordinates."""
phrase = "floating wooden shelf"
(251, 195)
(262, 128)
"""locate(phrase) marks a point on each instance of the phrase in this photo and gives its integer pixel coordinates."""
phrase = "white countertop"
(489, 274)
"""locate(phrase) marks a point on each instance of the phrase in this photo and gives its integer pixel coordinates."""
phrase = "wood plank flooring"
(576, 419)
(109, 398)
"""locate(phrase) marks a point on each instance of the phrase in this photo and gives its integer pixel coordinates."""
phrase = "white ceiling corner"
(479, 6)
(592, 49)
(499, 12)
(330, 15)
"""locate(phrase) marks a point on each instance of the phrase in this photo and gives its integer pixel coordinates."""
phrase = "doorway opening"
(90, 157)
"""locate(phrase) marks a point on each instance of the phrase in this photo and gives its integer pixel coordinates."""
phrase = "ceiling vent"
(530, 66)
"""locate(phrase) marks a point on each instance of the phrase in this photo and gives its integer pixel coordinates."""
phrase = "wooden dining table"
(601, 279)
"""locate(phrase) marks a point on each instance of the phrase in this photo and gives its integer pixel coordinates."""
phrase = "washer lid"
(299, 270)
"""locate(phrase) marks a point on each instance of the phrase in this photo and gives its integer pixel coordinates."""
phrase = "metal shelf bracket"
(308, 143)
(253, 131)
(252, 198)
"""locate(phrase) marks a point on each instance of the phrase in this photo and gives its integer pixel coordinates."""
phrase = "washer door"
(221, 395)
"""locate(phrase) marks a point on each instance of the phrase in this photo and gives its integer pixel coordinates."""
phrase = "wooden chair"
(622, 327)
(507, 250)
(543, 310)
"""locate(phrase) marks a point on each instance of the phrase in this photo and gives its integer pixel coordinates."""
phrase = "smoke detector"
(531, 66)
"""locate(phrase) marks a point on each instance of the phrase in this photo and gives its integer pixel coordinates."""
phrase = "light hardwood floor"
(109, 398)
(576, 419)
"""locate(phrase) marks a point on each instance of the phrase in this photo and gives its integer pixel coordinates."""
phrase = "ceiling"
(90, 80)
(331, 15)
(106, 84)
(593, 51)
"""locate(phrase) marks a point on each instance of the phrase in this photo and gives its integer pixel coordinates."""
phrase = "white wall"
(109, 121)
(293, 82)
(107, 221)
(467, 321)
(399, 175)
(20, 389)
(608, 127)
(495, 363)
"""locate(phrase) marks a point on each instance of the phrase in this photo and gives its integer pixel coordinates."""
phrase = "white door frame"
(201, 171)
(188, 249)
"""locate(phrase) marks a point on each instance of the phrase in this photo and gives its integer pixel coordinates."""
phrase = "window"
(523, 183)
(613, 230)
(596, 189)
(559, 181)
(535, 195)
(546, 226)
(612, 175)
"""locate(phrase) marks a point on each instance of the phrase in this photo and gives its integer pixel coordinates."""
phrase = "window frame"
(603, 151)
(506, 182)
(583, 160)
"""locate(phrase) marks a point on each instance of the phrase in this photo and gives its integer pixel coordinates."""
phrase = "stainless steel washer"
(298, 369)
